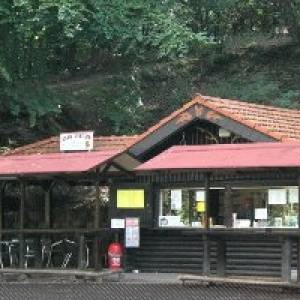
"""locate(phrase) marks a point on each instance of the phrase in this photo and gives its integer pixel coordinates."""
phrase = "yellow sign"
(130, 198)
(200, 207)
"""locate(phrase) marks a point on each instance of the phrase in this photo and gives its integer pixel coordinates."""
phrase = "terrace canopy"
(34, 217)
(58, 163)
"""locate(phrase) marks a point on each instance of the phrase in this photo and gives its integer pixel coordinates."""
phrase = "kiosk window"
(182, 207)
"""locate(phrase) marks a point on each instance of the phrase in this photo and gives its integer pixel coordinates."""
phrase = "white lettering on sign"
(76, 141)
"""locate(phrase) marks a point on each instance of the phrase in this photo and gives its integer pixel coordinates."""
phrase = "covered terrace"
(53, 208)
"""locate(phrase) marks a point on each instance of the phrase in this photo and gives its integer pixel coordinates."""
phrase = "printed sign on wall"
(176, 199)
(277, 196)
(130, 198)
(132, 232)
(76, 141)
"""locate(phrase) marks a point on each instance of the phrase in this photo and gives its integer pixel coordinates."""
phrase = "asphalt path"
(139, 291)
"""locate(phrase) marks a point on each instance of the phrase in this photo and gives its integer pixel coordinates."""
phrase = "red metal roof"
(232, 156)
(54, 162)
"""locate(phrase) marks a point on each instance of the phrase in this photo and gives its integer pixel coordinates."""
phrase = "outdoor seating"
(31, 252)
(65, 249)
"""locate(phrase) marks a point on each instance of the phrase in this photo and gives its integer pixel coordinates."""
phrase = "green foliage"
(147, 56)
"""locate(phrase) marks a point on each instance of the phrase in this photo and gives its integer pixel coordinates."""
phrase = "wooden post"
(206, 244)
(2, 188)
(81, 252)
(48, 206)
(206, 257)
(22, 203)
(286, 262)
(96, 255)
(221, 257)
(228, 207)
(298, 259)
(22, 215)
(207, 201)
(97, 206)
(298, 241)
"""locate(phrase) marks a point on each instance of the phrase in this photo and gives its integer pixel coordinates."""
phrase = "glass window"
(182, 207)
(265, 207)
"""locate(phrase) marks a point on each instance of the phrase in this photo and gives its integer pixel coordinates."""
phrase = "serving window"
(265, 207)
(182, 207)
(257, 207)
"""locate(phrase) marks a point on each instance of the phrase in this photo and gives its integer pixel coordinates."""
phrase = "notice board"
(130, 198)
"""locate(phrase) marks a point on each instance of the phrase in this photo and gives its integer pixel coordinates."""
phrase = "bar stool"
(46, 252)
(31, 251)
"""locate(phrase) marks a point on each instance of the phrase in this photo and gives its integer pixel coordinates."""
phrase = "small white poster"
(165, 221)
(117, 223)
(176, 199)
(277, 196)
(261, 214)
(293, 196)
(200, 196)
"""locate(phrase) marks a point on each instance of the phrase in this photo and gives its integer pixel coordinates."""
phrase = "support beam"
(22, 204)
(48, 207)
(97, 206)
(228, 207)
(298, 241)
(206, 256)
(207, 201)
(96, 249)
(82, 253)
(286, 260)
(298, 259)
(2, 189)
(22, 216)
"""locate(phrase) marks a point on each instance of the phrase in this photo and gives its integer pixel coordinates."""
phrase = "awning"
(233, 156)
(56, 162)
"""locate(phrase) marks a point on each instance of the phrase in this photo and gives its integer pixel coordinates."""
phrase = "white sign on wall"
(117, 223)
(176, 199)
(76, 141)
(277, 196)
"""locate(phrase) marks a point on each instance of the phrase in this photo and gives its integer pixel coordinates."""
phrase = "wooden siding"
(181, 251)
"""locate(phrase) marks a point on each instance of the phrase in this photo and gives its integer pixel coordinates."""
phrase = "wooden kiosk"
(215, 186)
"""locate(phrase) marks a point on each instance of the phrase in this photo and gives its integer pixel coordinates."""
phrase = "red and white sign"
(132, 232)
(76, 141)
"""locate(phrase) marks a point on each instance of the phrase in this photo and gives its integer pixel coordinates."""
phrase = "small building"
(215, 186)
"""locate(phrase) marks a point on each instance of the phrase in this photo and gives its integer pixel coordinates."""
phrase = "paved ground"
(137, 287)
(136, 291)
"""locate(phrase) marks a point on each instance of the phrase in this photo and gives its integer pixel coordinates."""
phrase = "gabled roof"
(276, 122)
(222, 156)
(268, 122)
(51, 145)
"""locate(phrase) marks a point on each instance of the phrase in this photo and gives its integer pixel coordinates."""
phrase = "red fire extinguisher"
(115, 255)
